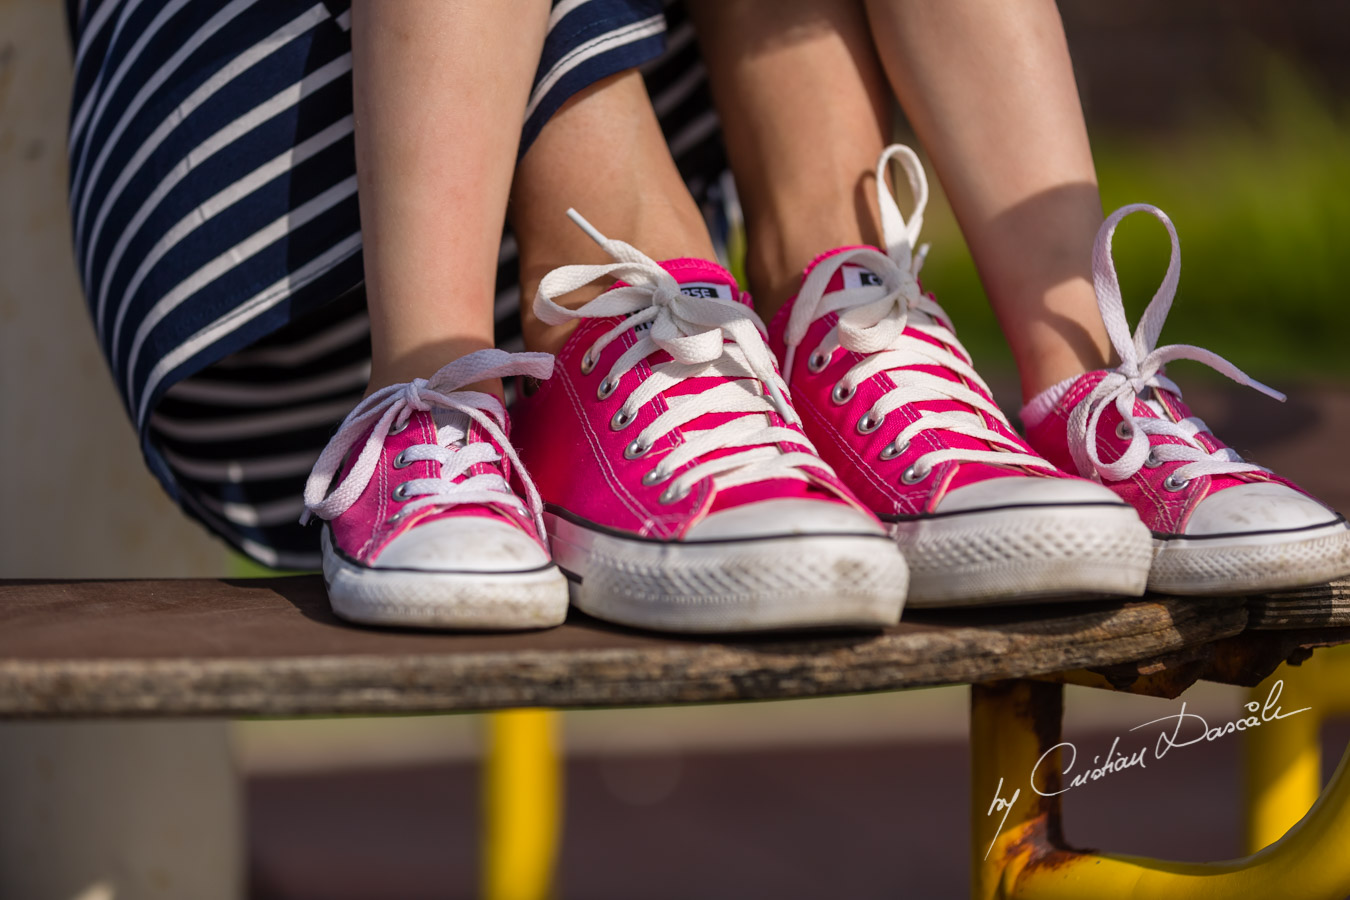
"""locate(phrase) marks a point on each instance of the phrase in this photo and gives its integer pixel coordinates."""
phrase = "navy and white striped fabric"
(217, 235)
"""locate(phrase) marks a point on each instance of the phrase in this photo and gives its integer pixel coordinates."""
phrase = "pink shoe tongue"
(701, 278)
(853, 276)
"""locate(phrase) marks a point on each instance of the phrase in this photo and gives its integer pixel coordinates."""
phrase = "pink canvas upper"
(833, 427)
(368, 527)
(1164, 511)
(564, 434)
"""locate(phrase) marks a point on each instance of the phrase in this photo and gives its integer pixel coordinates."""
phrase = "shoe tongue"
(451, 425)
(851, 275)
(701, 278)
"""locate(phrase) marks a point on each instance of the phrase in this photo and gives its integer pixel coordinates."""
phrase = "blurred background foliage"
(1260, 196)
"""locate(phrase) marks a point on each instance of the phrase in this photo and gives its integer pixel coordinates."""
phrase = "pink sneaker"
(679, 491)
(1221, 525)
(423, 528)
(888, 393)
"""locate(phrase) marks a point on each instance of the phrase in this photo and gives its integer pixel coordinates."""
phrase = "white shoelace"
(705, 336)
(391, 407)
(872, 320)
(1139, 371)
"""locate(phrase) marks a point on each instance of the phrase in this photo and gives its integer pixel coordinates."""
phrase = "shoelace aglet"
(919, 256)
(591, 231)
(1268, 391)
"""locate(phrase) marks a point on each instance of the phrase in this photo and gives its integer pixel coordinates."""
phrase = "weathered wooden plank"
(272, 647)
(1321, 606)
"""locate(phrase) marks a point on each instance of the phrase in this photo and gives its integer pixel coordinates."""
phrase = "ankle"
(779, 250)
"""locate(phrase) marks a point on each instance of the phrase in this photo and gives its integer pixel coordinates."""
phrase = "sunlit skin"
(435, 155)
(987, 86)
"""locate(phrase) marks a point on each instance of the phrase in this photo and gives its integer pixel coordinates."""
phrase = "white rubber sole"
(766, 584)
(1245, 564)
(411, 598)
(1024, 554)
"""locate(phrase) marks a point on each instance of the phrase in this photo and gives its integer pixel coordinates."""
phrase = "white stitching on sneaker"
(873, 319)
(705, 336)
(1141, 362)
(392, 406)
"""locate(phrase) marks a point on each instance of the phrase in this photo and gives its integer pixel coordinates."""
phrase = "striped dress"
(217, 235)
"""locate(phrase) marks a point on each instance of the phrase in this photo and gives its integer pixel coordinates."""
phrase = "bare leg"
(805, 112)
(440, 92)
(604, 154)
(989, 88)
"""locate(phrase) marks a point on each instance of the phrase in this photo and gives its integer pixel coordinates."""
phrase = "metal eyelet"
(913, 475)
(1124, 431)
(621, 420)
(587, 363)
(869, 423)
(636, 449)
(401, 492)
(654, 477)
(607, 387)
(400, 427)
(1173, 483)
(817, 363)
(842, 394)
(1152, 460)
(401, 461)
(670, 495)
(892, 450)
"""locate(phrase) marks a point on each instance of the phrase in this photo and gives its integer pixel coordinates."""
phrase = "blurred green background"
(1258, 186)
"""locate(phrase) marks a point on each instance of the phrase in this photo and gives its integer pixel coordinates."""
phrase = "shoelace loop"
(872, 320)
(704, 336)
(390, 408)
(1141, 364)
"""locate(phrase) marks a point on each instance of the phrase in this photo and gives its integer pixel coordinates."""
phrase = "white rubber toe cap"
(463, 544)
(776, 518)
(1015, 491)
(1256, 507)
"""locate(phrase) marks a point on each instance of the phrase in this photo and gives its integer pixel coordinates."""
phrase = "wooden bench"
(272, 647)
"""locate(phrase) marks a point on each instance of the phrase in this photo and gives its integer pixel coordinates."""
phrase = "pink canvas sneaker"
(423, 527)
(888, 393)
(1221, 524)
(679, 491)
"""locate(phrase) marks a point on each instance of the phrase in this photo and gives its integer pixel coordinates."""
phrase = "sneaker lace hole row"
(1123, 430)
(817, 363)
(635, 449)
(587, 363)
(914, 474)
(870, 422)
(654, 477)
(606, 388)
(892, 450)
(400, 493)
(1173, 483)
(670, 495)
(401, 461)
(621, 420)
(842, 393)
(400, 427)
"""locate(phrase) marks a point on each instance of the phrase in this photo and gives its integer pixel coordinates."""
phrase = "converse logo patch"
(857, 276)
(707, 289)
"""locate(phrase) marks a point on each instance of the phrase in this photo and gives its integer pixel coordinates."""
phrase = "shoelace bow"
(391, 407)
(1141, 363)
(872, 320)
(705, 336)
